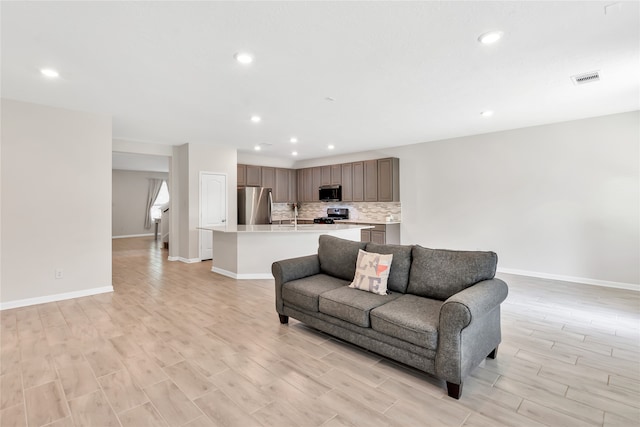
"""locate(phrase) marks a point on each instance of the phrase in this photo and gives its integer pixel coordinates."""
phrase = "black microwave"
(330, 193)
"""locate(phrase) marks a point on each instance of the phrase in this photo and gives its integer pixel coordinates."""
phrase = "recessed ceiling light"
(486, 113)
(255, 119)
(490, 37)
(244, 58)
(331, 147)
(294, 140)
(257, 148)
(49, 72)
(294, 153)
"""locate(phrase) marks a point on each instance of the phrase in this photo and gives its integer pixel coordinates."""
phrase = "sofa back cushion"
(338, 256)
(400, 265)
(439, 273)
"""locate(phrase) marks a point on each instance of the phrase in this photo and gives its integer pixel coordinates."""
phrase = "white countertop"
(346, 221)
(285, 228)
(364, 221)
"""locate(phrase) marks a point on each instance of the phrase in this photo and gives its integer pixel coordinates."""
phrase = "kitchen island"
(247, 251)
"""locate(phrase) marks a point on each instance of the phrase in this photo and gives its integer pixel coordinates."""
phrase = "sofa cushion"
(400, 266)
(439, 273)
(352, 305)
(372, 272)
(304, 293)
(338, 256)
(410, 318)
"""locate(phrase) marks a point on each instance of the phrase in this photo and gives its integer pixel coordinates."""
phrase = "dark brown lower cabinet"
(379, 237)
(381, 233)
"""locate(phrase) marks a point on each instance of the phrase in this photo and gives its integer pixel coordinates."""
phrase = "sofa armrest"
(477, 300)
(469, 328)
(292, 269)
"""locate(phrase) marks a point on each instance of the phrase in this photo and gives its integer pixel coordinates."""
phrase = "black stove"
(333, 214)
(323, 220)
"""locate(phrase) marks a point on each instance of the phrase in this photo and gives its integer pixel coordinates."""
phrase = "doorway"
(213, 209)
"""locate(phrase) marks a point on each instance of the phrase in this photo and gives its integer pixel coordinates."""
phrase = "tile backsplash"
(364, 211)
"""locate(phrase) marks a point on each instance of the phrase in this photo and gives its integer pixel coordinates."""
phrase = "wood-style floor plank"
(121, 391)
(172, 403)
(77, 379)
(93, 410)
(13, 416)
(188, 379)
(223, 411)
(143, 415)
(10, 390)
(45, 404)
(178, 345)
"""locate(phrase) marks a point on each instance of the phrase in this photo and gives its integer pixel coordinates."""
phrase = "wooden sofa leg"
(283, 319)
(493, 354)
(454, 390)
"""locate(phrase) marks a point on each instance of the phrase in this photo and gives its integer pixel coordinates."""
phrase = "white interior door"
(213, 209)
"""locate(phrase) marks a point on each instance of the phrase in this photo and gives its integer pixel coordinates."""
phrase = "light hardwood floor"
(178, 345)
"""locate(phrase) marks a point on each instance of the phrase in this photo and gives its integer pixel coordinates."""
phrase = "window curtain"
(154, 189)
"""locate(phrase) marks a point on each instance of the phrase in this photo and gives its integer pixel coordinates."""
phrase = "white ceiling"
(400, 72)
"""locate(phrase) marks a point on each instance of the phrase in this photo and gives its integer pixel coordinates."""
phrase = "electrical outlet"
(59, 273)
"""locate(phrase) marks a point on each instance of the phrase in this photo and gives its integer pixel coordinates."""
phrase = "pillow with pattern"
(372, 272)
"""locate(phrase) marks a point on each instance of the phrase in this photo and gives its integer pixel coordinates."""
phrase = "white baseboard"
(224, 272)
(185, 260)
(132, 235)
(237, 276)
(56, 297)
(584, 280)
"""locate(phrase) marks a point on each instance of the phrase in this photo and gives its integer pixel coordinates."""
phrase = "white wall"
(559, 200)
(345, 158)
(216, 159)
(135, 147)
(56, 203)
(129, 203)
(187, 162)
(261, 160)
(179, 204)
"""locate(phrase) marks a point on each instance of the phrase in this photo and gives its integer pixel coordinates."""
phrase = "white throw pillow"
(372, 272)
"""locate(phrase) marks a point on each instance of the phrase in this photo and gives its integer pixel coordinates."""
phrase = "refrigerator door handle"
(270, 206)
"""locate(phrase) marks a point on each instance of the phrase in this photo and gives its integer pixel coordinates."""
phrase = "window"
(163, 197)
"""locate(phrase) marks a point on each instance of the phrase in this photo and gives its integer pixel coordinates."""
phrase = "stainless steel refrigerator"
(254, 205)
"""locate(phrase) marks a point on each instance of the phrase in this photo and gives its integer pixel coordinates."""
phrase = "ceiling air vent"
(580, 79)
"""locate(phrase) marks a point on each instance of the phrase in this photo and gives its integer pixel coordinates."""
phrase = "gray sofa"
(441, 314)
